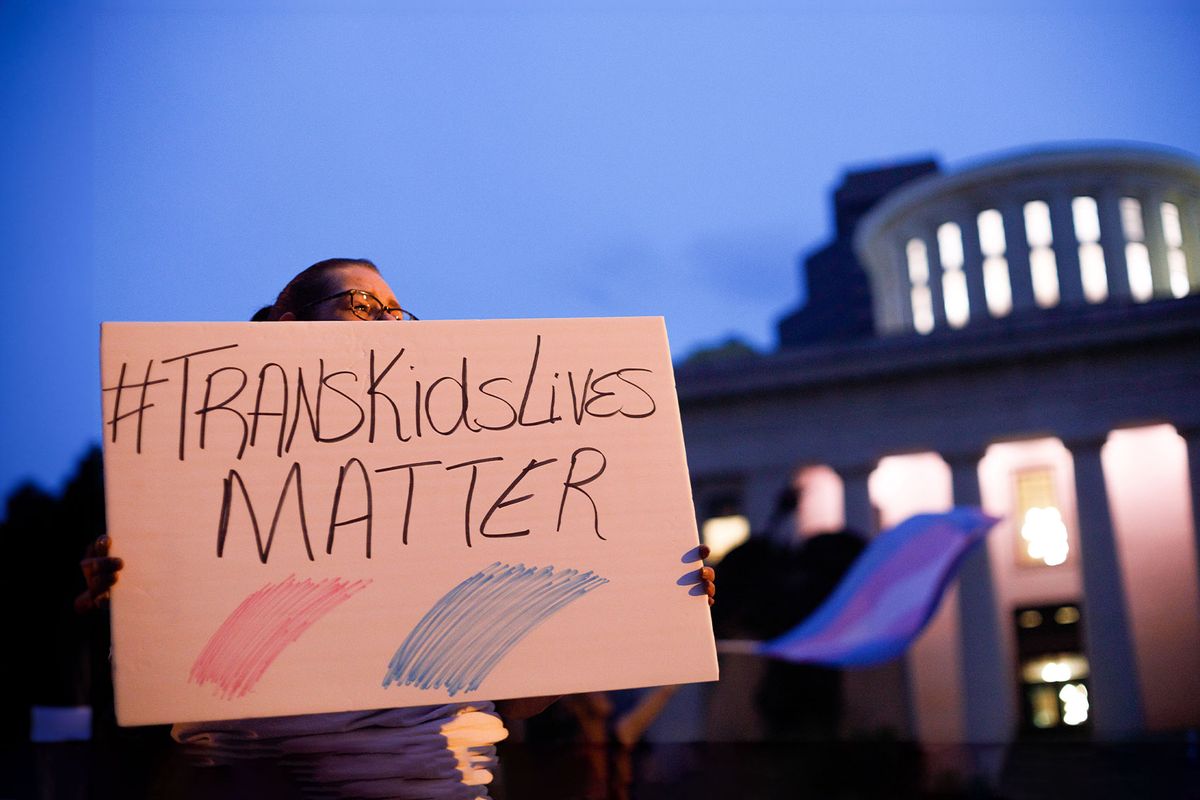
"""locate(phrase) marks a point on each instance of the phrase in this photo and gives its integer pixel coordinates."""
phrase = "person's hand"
(100, 571)
(704, 580)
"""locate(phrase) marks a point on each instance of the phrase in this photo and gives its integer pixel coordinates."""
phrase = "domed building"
(1042, 230)
(1022, 333)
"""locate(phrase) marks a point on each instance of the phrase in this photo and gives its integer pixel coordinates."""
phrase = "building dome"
(1052, 228)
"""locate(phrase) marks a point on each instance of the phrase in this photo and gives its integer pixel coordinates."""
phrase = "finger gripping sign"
(325, 516)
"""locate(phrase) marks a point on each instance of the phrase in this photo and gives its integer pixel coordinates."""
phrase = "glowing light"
(1074, 697)
(996, 287)
(991, 232)
(1045, 535)
(918, 262)
(1177, 269)
(1029, 619)
(1066, 615)
(922, 308)
(722, 534)
(1092, 272)
(1045, 707)
(1086, 218)
(1137, 259)
(950, 246)
(1037, 224)
(1054, 672)
(954, 292)
(1044, 271)
(1055, 668)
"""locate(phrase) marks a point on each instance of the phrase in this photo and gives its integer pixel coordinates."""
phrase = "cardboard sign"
(325, 516)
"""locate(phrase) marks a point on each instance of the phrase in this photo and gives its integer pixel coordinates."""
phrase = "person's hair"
(311, 285)
(262, 315)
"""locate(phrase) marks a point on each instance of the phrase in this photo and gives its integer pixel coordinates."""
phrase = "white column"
(934, 254)
(860, 514)
(1116, 694)
(1066, 250)
(1112, 241)
(1016, 251)
(973, 265)
(1192, 437)
(987, 674)
(1156, 244)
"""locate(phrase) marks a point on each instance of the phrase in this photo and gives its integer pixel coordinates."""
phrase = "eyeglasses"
(365, 305)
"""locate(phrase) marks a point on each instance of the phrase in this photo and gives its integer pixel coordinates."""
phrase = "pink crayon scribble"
(261, 627)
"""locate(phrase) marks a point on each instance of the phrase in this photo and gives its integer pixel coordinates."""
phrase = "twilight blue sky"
(181, 160)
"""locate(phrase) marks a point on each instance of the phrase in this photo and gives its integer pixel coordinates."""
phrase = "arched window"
(1042, 266)
(996, 288)
(918, 277)
(1043, 534)
(954, 282)
(1091, 255)
(1176, 260)
(1137, 257)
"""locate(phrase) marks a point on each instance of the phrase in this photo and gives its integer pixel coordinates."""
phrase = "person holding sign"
(442, 751)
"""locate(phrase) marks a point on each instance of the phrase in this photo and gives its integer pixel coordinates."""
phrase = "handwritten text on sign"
(324, 516)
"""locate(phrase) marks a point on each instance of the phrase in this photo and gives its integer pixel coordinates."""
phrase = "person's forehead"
(355, 276)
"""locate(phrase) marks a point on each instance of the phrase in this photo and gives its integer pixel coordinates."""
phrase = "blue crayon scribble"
(466, 633)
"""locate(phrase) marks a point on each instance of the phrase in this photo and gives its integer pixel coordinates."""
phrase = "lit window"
(1137, 257)
(1091, 254)
(996, 288)
(1069, 705)
(1051, 659)
(1042, 532)
(1086, 218)
(954, 282)
(918, 277)
(1176, 260)
(722, 534)
(1037, 224)
(1042, 265)
(1131, 220)
(991, 232)
(951, 247)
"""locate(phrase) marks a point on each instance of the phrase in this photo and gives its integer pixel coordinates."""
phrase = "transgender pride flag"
(889, 593)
